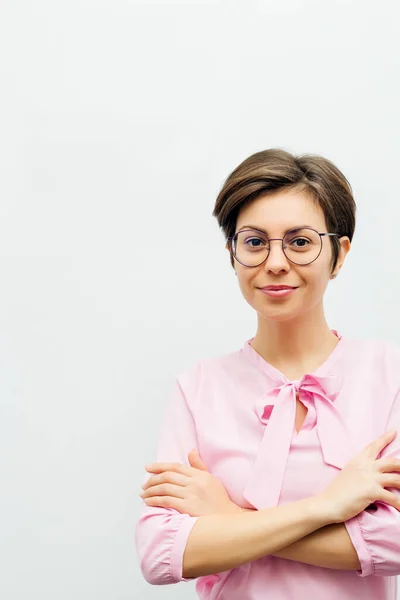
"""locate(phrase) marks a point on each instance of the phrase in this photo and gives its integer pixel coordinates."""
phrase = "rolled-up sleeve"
(161, 534)
(376, 539)
(375, 534)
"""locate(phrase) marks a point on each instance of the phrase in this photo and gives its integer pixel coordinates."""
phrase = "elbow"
(148, 574)
(156, 548)
(154, 565)
(153, 573)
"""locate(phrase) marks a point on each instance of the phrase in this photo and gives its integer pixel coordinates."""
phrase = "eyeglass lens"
(301, 246)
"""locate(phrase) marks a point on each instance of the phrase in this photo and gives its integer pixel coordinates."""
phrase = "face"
(277, 213)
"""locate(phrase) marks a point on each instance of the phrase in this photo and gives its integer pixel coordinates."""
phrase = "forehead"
(277, 212)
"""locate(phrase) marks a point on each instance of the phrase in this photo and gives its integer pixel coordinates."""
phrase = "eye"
(300, 243)
(255, 242)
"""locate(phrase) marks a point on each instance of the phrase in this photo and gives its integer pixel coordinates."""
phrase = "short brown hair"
(275, 169)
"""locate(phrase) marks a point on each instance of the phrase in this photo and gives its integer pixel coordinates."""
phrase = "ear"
(345, 247)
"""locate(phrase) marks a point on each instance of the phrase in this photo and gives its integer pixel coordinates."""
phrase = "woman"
(277, 470)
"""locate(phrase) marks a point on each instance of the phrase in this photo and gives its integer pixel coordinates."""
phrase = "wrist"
(322, 509)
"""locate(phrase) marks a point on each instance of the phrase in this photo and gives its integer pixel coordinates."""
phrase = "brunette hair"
(275, 169)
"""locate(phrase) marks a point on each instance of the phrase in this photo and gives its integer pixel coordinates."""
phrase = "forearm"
(221, 542)
(328, 547)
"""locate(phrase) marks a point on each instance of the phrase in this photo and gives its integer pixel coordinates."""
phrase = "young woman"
(278, 473)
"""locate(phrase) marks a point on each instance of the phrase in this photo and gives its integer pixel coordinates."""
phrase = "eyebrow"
(266, 232)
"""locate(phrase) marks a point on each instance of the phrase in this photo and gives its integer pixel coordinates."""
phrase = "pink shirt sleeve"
(161, 534)
(376, 534)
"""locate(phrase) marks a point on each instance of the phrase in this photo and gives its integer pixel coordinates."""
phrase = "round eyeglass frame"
(230, 239)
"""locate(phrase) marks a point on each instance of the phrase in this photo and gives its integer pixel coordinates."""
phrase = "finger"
(166, 477)
(390, 498)
(196, 462)
(388, 464)
(176, 467)
(390, 480)
(164, 489)
(166, 502)
(376, 447)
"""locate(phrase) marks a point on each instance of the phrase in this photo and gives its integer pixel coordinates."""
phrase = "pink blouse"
(239, 412)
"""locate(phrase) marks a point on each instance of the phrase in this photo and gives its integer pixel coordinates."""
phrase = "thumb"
(195, 461)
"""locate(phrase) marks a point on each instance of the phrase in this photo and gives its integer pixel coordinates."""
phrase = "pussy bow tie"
(265, 483)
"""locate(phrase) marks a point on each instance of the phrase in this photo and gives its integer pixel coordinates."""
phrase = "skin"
(282, 326)
(284, 323)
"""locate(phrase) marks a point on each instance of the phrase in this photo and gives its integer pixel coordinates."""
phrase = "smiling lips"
(278, 287)
(278, 291)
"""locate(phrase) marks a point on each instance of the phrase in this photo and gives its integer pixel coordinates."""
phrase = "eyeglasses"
(301, 246)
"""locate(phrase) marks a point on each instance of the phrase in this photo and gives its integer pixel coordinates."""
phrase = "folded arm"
(221, 542)
(173, 547)
(330, 547)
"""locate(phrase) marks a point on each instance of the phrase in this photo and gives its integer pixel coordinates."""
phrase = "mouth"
(272, 288)
(278, 291)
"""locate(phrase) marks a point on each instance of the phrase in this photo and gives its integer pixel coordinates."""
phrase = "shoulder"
(208, 372)
(378, 356)
(375, 347)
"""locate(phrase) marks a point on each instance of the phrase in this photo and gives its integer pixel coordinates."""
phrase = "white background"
(119, 121)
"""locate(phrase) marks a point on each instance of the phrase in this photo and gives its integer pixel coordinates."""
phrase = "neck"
(297, 346)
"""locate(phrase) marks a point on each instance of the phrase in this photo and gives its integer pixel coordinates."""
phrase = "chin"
(280, 317)
(279, 313)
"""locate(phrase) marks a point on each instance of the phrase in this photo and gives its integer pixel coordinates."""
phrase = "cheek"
(243, 285)
(247, 288)
(317, 279)
(246, 280)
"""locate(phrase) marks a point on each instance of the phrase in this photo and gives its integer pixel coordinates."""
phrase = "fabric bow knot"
(277, 410)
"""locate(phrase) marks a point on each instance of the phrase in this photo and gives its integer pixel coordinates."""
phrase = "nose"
(276, 261)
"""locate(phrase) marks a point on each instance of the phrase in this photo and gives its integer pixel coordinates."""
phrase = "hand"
(363, 481)
(189, 490)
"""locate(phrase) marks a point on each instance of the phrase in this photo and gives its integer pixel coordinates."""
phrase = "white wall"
(119, 121)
